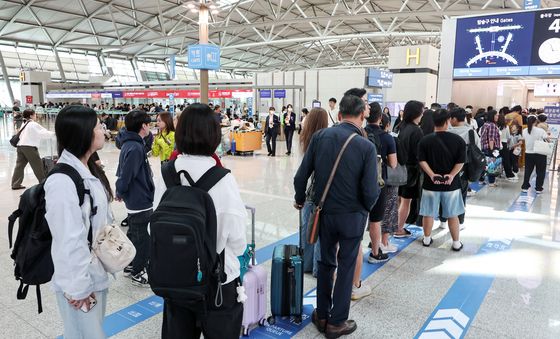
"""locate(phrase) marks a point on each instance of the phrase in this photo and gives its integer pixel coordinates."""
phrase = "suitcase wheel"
(246, 331)
(271, 320)
(262, 322)
(298, 320)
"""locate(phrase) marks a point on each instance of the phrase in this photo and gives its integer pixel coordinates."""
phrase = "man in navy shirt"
(344, 215)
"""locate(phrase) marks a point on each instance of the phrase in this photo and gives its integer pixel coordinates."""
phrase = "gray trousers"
(25, 155)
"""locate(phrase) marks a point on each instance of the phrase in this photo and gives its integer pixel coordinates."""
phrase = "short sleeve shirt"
(442, 151)
(388, 145)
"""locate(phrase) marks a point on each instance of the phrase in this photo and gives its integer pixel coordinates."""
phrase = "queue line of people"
(435, 181)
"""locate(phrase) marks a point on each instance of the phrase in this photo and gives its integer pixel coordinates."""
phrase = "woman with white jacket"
(79, 281)
(31, 135)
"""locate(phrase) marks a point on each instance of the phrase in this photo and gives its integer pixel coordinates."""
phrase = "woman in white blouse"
(31, 135)
(197, 137)
(533, 160)
(79, 281)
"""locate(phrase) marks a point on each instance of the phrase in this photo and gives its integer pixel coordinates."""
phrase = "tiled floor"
(523, 301)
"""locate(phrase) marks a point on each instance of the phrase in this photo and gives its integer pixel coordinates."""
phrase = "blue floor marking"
(286, 328)
(153, 305)
(283, 328)
(475, 186)
(456, 311)
(453, 316)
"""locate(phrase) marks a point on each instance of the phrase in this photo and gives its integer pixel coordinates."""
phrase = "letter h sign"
(415, 56)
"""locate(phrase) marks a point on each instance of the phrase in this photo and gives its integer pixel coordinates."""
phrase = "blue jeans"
(311, 253)
(78, 324)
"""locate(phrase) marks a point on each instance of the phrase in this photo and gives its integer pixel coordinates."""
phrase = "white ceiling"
(254, 35)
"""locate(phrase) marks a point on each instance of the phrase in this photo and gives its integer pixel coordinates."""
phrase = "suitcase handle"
(300, 234)
(252, 211)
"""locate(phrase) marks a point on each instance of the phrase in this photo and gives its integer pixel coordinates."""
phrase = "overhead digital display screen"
(506, 45)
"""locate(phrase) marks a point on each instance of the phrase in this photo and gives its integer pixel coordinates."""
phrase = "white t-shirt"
(536, 134)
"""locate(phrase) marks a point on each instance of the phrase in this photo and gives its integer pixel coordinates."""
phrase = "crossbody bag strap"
(333, 172)
(21, 130)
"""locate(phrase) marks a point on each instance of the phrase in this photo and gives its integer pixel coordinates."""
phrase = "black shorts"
(411, 191)
(378, 211)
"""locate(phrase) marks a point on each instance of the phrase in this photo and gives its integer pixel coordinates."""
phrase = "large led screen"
(505, 45)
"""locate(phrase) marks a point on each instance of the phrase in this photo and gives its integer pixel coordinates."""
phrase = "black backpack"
(374, 138)
(476, 163)
(31, 250)
(184, 266)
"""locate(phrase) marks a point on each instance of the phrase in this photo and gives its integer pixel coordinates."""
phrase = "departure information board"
(507, 45)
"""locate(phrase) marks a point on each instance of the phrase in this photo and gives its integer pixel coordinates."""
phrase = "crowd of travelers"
(386, 175)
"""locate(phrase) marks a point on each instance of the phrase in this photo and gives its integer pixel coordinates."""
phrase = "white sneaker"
(471, 193)
(461, 227)
(512, 179)
(389, 248)
(360, 292)
(442, 225)
(515, 175)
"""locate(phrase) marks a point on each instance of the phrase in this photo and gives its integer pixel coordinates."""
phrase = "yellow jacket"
(163, 146)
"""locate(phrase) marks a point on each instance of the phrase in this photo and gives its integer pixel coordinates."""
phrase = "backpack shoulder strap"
(74, 175)
(471, 137)
(170, 175)
(211, 178)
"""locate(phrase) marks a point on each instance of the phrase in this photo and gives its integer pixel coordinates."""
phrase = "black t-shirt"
(387, 144)
(409, 136)
(431, 149)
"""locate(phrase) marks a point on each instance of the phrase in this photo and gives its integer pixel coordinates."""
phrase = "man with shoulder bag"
(345, 193)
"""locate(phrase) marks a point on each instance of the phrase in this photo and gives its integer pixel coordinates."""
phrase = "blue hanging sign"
(279, 93)
(374, 97)
(532, 4)
(265, 93)
(204, 57)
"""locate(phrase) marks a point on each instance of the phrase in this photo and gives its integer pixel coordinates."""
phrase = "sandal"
(406, 234)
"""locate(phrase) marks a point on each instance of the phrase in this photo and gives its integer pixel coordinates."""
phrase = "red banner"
(183, 93)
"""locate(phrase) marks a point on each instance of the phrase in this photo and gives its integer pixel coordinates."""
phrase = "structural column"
(6, 77)
(59, 64)
(203, 40)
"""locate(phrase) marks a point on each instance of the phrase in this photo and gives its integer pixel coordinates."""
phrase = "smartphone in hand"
(92, 303)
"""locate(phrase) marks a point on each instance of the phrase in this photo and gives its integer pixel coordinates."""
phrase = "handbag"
(113, 248)
(313, 222)
(397, 176)
(14, 140)
(544, 148)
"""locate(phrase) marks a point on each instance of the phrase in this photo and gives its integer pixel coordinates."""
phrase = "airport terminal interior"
(254, 61)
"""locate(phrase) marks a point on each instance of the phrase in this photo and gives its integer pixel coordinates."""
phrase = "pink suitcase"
(255, 282)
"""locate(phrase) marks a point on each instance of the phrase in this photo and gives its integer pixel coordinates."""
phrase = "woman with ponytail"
(533, 161)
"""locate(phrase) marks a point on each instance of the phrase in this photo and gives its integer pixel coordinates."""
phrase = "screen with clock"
(508, 45)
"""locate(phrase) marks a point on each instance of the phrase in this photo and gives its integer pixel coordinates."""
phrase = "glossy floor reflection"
(522, 301)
